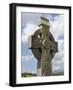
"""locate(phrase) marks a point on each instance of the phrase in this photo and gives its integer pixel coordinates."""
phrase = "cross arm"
(33, 42)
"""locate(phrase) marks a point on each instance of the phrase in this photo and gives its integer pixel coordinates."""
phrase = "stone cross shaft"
(44, 47)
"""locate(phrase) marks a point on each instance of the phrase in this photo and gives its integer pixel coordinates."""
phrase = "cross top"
(44, 21)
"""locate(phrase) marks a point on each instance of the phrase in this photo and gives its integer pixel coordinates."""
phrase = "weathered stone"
(44, 47)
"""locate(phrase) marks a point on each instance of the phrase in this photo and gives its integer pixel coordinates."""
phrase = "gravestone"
(44, 47)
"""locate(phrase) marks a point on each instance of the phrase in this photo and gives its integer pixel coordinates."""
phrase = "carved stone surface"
(44, 47)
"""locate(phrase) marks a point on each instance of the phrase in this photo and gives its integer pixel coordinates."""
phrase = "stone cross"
(44, 47)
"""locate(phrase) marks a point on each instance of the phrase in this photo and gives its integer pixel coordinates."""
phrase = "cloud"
(57, 68)
(31, 18)
(34, 72)
(57, 26)
(27, 57)
(28, 64)
(58, 60)
(28, 31)
(61, 45)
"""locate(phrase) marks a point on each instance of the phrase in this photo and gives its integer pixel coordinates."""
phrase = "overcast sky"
(29, 23)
